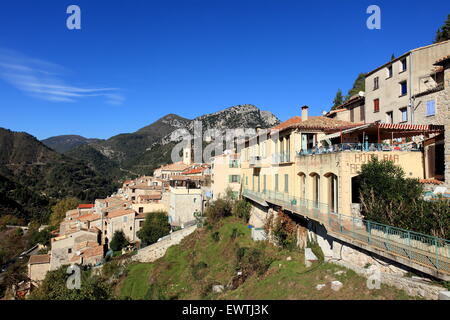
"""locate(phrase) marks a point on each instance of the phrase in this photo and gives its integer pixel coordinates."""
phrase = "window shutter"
(239, 179)
(229, 178)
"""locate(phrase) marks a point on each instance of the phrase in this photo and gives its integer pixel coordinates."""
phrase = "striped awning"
(412, 127)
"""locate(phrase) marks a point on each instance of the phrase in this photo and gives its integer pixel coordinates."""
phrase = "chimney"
(305, 113)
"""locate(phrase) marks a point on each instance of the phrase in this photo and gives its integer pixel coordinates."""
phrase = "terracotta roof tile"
(430, 181)
(89, 217)
(86, 206)
(323, 123)
(178, 166)
(93, 252)
(39, 258)
(157, 196)
(120, 212)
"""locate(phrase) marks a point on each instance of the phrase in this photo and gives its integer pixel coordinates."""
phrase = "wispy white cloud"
(44, 80)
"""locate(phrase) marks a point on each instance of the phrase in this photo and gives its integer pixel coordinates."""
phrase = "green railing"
(429, 251)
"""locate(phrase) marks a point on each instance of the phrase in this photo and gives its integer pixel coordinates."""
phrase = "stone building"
(186, 198)
(391, 87)
(38, 266)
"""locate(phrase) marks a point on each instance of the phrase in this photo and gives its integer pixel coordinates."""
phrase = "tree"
(59, 210)
(388, 197)
(443, 33)
(118, 241)
(392, 57)
(54, 287)
(43, 237)
(155, 226)
(338, 99)
(358, 85)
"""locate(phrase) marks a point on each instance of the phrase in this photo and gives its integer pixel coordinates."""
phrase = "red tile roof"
(120, 212)
(315, 123)
(93, 252)
(86, 206)
(157, 196)
(194, 171)
(39, 258)
(430, 181)
(89, 217)
(442, 60)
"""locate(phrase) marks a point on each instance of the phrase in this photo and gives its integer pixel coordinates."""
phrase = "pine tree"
(443, 33)
(358, 85)
(338, 99)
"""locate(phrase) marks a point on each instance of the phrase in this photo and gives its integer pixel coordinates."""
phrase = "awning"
(338, 134)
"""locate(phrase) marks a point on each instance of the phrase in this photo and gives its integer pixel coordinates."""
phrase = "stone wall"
(447, 125)
(369, 264)
(155, 251)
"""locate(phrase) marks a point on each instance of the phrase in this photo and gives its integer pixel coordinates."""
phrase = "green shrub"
(252, 260)
(199, 270)
(215, 236)
(241, 209)
(218, 210)
(156, 225)
(388, 197)
(235, 233)
(118, 241)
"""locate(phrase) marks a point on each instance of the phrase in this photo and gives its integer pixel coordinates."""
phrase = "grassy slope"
(174, 278)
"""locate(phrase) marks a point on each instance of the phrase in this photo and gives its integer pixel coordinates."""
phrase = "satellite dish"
(361, 93)
(324, 113)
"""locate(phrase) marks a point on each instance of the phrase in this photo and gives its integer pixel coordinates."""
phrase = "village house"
(390, 88)
(226, 173)
(38, 266)
(186, 198)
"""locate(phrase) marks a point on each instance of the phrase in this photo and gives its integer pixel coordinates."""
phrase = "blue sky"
(135, 61)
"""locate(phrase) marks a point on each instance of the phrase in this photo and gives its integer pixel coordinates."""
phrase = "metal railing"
(362, 147)
(281, 157)
(426, 250)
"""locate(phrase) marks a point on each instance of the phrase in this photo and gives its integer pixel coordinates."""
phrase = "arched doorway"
(302, 177)
(332, 191)
(315, 187)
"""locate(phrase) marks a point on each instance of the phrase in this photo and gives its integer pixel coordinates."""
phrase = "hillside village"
(307, 167)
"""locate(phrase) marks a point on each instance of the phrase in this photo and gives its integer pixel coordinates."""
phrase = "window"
(404, 66)
(431, 108)
(404, 112)
(141, 223)
(376, 105)
(403, 88)
(264, 183)
(141, 209)
(286, 183)
(131, 228)
(125, 219)
(246, 181)
(389, 117)
(376, 83)
(69, 250)
(234, 178)
(389, 71)
(195, 200)
(276, 182)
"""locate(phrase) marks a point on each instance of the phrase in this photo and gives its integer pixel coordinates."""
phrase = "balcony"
(423, 252)
(255, 161)
(282, 157)
(359, 147)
